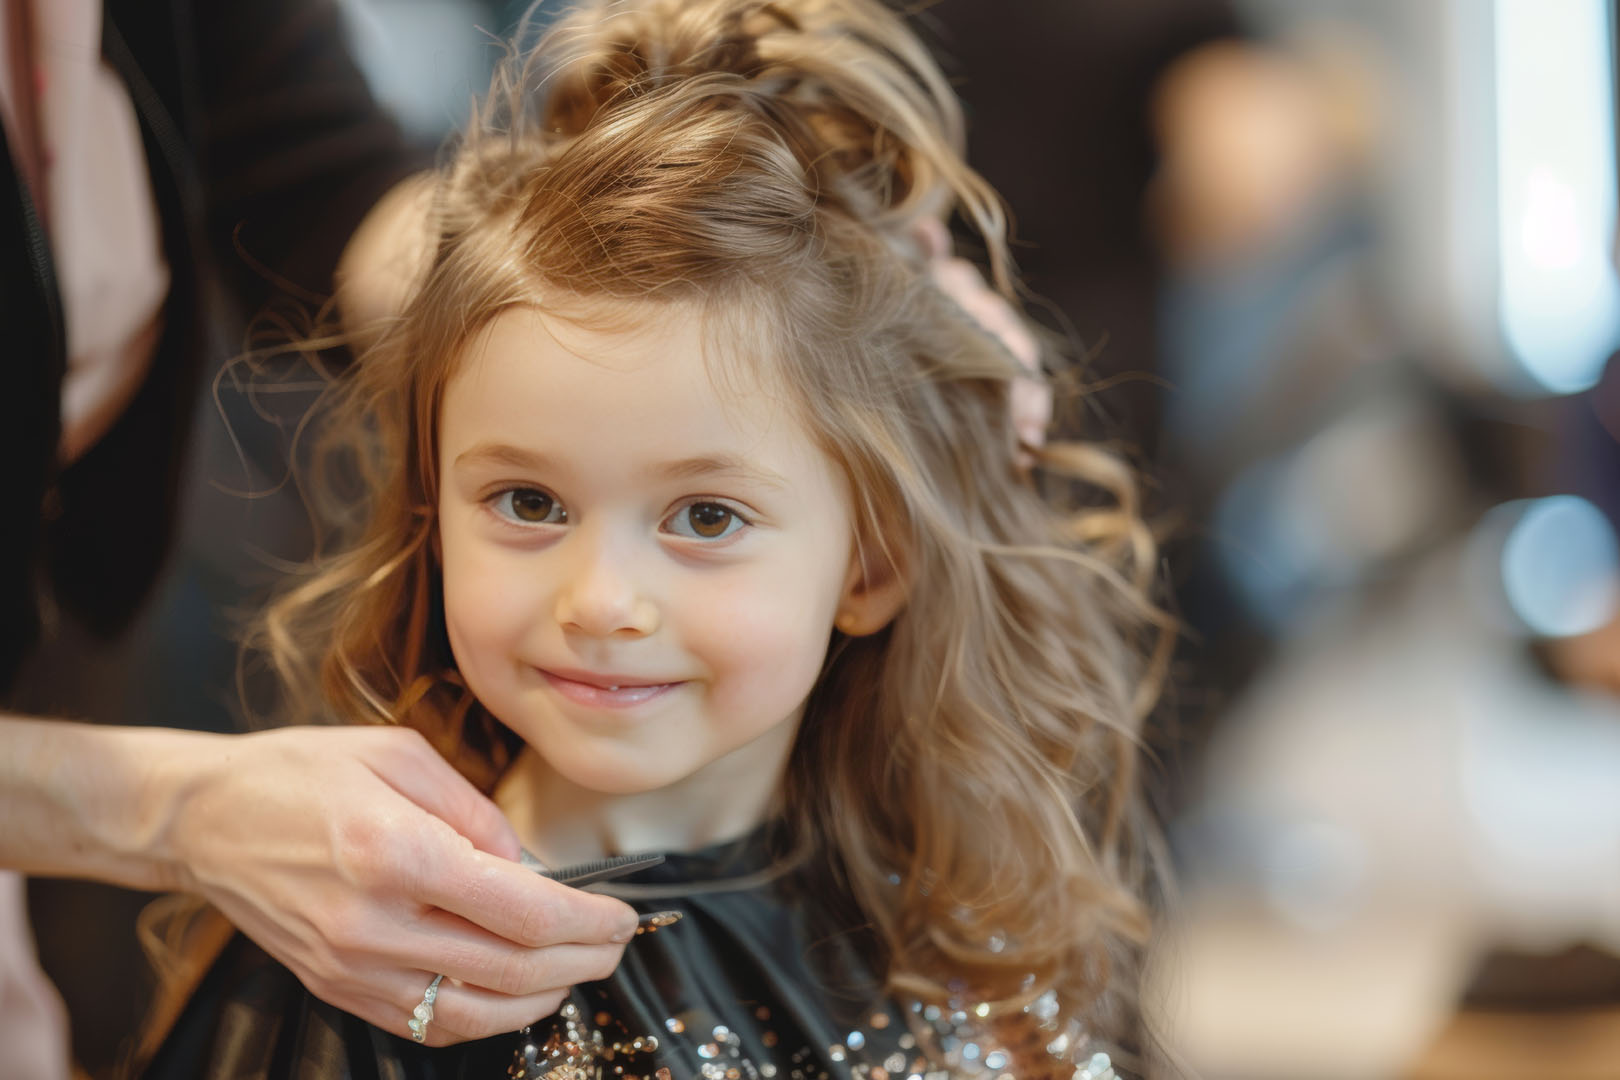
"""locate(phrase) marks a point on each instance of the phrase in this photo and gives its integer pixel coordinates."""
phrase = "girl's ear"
(875, 590)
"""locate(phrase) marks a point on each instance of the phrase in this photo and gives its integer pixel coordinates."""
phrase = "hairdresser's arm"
(355, 856)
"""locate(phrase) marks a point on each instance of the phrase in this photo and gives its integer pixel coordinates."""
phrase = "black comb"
(586, 873)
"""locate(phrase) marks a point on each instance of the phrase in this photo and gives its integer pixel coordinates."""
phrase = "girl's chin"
(614, 770)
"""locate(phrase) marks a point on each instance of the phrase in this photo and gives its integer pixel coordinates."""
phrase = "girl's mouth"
(604, 694)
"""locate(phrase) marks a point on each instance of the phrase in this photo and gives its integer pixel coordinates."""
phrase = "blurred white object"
(1433, 793)
(1497, 194)
(1560, 295)
(1549, 567)
(425, 60)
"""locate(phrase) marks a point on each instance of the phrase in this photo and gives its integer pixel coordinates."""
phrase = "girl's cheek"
(488, 595)
(759, 629)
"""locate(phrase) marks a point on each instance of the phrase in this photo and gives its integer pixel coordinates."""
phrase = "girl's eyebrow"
(490, 453)
(707, 465)
(726, 465)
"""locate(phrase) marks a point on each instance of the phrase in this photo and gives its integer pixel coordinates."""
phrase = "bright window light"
(1560, 301)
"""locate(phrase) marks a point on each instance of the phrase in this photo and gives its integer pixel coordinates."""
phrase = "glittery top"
(760, 979)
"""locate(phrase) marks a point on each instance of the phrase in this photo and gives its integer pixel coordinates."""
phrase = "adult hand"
(961, 281)
(359, 859)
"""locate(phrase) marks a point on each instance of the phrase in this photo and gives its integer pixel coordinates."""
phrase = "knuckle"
(517, 974)
(358, 838)
(346, 930)
(371, 853)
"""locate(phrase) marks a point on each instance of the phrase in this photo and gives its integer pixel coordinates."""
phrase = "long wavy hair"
(769, 160)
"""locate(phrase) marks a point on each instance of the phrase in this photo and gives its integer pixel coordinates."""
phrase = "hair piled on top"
(768, 161)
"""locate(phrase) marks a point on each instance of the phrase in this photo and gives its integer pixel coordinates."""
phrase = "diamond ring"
(422, 1015)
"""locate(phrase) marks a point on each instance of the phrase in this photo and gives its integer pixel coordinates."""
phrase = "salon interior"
(1340, 278)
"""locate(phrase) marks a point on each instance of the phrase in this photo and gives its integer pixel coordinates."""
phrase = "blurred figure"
(1152, 153)
(1401, 820)
(1060, 106)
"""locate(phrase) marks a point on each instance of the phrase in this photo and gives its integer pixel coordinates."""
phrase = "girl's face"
(641, 572)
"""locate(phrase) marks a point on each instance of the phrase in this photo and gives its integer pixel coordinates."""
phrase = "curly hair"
(971, 769)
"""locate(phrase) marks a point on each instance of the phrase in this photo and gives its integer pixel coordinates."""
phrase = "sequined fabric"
(760, 980)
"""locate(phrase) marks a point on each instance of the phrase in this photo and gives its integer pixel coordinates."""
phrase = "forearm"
(356, 856)
(83, 800)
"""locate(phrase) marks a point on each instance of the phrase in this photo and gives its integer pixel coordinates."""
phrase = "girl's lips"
(605, 697)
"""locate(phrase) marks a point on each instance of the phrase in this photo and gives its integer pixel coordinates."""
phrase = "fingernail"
(648, 924)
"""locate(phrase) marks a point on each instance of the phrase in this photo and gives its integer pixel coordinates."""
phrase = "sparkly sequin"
(964, 1040)
(959, 1048)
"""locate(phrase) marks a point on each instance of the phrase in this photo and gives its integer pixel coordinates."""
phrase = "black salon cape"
(754, 982)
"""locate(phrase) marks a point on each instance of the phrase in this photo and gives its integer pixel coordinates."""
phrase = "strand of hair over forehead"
(839, 54)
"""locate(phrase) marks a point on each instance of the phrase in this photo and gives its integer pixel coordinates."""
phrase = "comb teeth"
(615, 866)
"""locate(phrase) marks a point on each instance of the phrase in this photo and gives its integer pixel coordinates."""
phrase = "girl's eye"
(530, 506)
(705, 521)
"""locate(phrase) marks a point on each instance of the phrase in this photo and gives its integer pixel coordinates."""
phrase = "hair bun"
(850, 92)
(646, 49)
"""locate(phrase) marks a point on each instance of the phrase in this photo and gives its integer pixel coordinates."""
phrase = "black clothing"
(753, 972)
(265, 150)
(762, 977)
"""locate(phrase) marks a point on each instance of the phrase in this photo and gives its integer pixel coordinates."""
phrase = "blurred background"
(1341, 277)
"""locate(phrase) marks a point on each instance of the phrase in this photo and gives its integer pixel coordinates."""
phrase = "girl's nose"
(601, 598)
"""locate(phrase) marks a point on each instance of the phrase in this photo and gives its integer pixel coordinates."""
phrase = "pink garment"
(89, 177)
(33, 1023)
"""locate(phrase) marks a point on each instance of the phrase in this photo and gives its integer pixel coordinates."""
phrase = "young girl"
(695, 522)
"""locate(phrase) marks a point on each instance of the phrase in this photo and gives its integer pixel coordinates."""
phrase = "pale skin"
(355, 856)
(642, 573)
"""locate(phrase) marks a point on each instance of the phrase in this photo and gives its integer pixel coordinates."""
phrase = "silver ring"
(422, 1015)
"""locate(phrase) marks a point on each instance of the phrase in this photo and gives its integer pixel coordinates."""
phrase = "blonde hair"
(970, 770)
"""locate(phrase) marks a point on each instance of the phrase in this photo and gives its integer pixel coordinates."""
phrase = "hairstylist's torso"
(74, 136)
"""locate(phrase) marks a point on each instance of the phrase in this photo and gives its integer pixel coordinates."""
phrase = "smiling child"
(697, 522)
